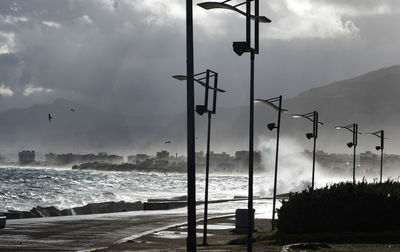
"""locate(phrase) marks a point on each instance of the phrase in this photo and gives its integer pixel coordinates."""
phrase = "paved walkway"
(83, 232)
(100, 231)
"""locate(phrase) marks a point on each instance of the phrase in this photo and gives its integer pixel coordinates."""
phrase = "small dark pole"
(315, 135)
(191, 168)
(250, 214)
(355, 136)
(251, 152)
(207, 175)
(278, 128)
(382, 146)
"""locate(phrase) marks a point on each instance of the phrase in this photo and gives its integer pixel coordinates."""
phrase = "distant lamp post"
(239, 48)
(313, 117)
(381, 135)
(203, 79)
(271, 126)
(353, 128)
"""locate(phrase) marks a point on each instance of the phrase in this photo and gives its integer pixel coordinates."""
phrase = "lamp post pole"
(381, 135)
(191, 165)
(353, 128)
(201, 109)
(382, 143)
(251, 153)
(272, 126)
(276, 159)
(355, 136)
(207, 176)
(277, 126)
(240, 48)
(314, 135)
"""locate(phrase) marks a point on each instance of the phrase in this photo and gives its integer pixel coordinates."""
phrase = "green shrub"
(342, 207)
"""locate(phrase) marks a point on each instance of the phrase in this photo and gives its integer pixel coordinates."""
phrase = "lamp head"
(350, 144)
(241, 47)
(271, 126)
(180, 77)
(377, 147)
(201, 109)
(309, 135)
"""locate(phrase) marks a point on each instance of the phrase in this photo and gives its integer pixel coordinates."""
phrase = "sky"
(119, 55)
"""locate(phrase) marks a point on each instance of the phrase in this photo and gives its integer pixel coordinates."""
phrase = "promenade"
(99, 231)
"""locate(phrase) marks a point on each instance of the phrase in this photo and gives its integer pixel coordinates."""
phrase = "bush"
(342, 207)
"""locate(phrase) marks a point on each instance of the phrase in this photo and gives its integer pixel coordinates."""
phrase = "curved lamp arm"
(217, 5)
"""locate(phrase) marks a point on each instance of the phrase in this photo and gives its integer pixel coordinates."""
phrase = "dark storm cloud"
(119, 55)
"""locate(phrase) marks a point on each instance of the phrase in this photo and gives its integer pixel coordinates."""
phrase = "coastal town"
(164, 161)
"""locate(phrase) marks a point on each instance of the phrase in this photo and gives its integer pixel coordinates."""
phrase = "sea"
(22, 188)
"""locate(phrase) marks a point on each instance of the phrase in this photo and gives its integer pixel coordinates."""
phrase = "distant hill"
(74, 128)
(372, 100)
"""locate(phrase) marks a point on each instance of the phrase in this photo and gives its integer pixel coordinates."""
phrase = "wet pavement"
(97, 231)
(85, 232)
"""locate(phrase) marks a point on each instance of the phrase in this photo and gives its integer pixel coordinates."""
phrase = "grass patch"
(332, 249)
(340, 238)
(274, 238)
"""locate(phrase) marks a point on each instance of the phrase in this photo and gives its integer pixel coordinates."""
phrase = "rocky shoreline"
(92, 208)
(98, 208)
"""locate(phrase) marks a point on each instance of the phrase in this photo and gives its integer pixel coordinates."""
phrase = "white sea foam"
(24, 188)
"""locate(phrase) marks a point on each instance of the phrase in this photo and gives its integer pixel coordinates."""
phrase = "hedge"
(342, 207)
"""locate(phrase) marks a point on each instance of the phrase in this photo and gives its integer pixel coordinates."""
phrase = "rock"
(134, 206)
(46, 211)
(12, 214)
(108, 207)
(67, 212)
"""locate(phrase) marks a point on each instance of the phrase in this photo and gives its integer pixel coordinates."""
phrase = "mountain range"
(371, 100)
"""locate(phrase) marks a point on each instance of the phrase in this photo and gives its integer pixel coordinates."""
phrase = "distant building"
(131, 159)
(218, 158)
(162, 155)
(70, 158)
(200, 158)
(26, 157)
(243, 157)
(141, 157)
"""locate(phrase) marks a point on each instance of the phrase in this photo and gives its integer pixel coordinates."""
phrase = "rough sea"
(22, 188)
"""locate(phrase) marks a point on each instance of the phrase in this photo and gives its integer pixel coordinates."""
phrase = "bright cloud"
(5, 90)
(51, 24)
(32, 90)
(7, 42)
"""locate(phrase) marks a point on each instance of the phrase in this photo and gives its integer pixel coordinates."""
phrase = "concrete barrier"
(3, 221)
(242, 220)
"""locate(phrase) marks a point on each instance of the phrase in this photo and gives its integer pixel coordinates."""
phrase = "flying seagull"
(50, 118)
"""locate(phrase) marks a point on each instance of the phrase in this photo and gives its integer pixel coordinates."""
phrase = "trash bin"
(242, 220)
(3, 221)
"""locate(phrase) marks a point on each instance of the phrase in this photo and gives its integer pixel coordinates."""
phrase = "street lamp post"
(272, 126)
(353, 128)
(201, 109)
(240, 48)
(314, 135)
(381, 135)
(191, 162)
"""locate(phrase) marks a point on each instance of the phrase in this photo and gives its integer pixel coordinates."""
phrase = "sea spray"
(294, 167)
